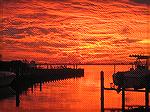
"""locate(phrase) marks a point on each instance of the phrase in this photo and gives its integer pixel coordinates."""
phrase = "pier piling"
(123, 99)
(146, 99)
(102, 91)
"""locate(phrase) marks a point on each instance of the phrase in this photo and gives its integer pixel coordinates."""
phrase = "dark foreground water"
(72, 95)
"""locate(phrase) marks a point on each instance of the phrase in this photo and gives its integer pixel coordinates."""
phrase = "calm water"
(72, 95)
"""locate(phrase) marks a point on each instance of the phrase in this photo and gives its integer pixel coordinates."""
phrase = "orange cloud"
(81, 31)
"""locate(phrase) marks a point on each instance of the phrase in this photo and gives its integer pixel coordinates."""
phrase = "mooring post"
(17, 91)
(32, 88)
(146, 98)
(17, 98)
(123, 94)
(17, 71)
(102, 91)
(40, 85)
(123, 99)
(17, 87)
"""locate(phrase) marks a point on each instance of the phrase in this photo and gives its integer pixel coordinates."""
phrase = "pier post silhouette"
(146, 99)
(147, 96)
(17, 89)
(123, 99)
(123, 95)
(102, 91)
(17, 98)
(40, 85)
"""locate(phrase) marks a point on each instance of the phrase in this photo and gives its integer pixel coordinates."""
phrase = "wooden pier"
(27, 78)
(36, 75)
(40, 71)
(146, 91)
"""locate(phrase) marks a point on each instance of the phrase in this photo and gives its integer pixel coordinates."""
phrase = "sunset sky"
(73, 31)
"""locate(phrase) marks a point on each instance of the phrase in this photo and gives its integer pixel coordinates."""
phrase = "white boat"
(137, 78)
(6, 78)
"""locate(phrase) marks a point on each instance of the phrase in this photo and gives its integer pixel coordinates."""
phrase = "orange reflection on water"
(75, 95)
(83, 94)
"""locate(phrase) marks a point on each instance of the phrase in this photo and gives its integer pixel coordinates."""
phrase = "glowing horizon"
(87, 31)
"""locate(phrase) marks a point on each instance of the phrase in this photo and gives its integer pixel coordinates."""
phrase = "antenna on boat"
(114, 68)
(138, 57)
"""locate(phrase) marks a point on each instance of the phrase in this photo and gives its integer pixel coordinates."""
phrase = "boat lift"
(146, 91)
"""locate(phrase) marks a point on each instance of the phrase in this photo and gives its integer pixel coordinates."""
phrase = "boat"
(6, 92)
(137, 77)
(6, 78)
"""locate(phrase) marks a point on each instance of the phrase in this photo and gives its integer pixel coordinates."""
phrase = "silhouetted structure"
(146, 108)
(28, 72)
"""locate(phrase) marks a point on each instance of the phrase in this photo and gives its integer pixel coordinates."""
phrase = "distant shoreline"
(38, 63)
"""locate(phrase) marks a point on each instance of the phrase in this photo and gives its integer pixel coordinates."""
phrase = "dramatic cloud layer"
(73, 31)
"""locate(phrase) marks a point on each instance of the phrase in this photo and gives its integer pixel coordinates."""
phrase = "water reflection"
(72, 95)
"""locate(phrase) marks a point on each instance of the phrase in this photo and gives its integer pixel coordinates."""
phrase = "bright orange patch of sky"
(64, 31)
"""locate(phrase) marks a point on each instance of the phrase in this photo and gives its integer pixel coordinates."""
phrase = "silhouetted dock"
(53, 74)
(40, 72)
(28, 74)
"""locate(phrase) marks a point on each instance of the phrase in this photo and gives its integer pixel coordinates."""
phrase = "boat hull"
(136, 79)
(6, 78)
